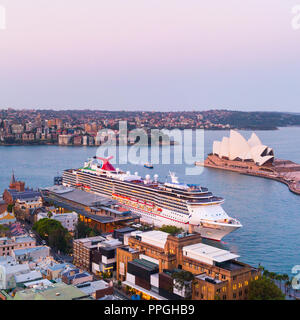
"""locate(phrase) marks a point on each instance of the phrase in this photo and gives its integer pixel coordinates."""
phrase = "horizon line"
(139, 110)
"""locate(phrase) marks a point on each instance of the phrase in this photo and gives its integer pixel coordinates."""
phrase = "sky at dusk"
(150, 55)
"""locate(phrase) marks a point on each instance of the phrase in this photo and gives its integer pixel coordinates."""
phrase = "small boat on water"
(148, 165)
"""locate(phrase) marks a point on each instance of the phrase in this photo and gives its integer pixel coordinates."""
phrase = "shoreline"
(271, 174)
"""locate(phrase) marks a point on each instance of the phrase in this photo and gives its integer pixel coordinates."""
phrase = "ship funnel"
(155, 177)
(117, 170)
(128, 173)
(136, 173)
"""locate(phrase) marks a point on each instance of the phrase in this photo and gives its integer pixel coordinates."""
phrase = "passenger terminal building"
(97, 211)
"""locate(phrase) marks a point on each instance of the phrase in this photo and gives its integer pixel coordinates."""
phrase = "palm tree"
(266, 273)
(279, 278)
(261, 268)
(287, 286)
(286, 278)
(272, 275)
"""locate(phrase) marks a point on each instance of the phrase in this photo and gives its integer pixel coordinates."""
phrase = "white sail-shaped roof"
(254, 141)
(262, 160)
(270, 152)
(224, 150)
(247, 156)
(216, 147)
(259, 154)
(238, 145)
(257, 151)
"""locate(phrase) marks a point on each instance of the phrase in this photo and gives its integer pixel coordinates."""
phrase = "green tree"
(82, 230)
(10, 207)
(54, 233)
(266, 273)
(264, 289)
(183, 280)
(171, 229)
(4, 230)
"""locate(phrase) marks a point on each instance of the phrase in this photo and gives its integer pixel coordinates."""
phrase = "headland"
(252, 158)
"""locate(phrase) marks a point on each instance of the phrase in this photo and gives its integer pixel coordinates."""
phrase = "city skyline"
(138, 55)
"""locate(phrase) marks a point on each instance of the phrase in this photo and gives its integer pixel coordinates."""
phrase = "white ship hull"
(209, 230)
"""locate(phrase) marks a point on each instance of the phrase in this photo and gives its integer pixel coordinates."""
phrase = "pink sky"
(158, 54)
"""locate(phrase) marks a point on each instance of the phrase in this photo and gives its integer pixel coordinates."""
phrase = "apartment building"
(7, 245)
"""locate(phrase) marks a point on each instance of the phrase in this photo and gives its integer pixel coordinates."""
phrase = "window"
(246, 283)
(234, 287)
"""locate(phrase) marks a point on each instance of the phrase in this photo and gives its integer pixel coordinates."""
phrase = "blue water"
(268, 211)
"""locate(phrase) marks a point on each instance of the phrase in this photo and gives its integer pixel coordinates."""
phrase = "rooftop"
(91, 287)
(79, 196)
(22, 195)
(30, 276)
(155, 238)
(20, 252)
(205, 277)
(24, 239)
(146, 264)
(124, 230)
(207, 254)
(41, 282)
(57, 291)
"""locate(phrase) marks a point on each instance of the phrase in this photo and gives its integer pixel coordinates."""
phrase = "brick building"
(216, 272)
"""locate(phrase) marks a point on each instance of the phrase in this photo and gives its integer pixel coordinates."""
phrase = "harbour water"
(269, 212)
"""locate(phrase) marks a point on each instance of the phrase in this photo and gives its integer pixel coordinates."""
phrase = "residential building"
(9, 268)
(82, 251)
(68, 220)
(31, 254)
(104, 256)
(96, 289)
(75, 276)
(7, 245)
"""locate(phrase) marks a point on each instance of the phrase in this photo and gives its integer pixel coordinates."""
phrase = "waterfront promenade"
(284, 171)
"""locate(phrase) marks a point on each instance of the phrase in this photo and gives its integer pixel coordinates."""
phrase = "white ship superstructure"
(187, 206)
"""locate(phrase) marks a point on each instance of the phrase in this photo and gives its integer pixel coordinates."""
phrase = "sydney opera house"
(237, 148)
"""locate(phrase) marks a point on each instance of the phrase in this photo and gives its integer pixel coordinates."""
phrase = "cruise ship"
(188, 206)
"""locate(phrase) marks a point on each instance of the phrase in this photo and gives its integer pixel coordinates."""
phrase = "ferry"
(148, 165)
(188, 206)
